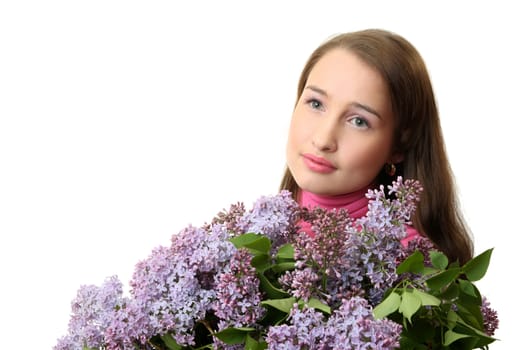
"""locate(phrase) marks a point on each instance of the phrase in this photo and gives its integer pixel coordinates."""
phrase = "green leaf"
(407, 343)
(273, 317)
(170, 342)
(468, 288)
(451, 336)
(389, 305)
(272, 291)
(438, 259)
(425, 298)
(285, 253)
(451, 292)
(252, 344)
(233, 335)
(255, 243)
(470, 314)
(409, 304)
(241, 240)
(452, 319)
(319, 305)
(476, 268)
(442, 279)
(482, 339)
(261, 262)
(414, 263)
(284, 305)
(429, 271)
(419, 335)
(284, 266)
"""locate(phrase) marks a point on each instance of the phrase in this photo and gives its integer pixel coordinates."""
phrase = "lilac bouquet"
(251, 279)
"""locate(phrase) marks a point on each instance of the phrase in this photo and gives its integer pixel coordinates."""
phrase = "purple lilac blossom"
(325, 249)
(304, 331)
(374, 245)
(273, 216)
(92, 310)
(202, 274)
(353, 257)
(350, 327)
(421, 244)
(371, 263)
(229, 218)
(490, 317)
(353, 326)
(320, 256)
(238, 297)
(219, 345)
(300, 283)
(407, 195)
(167, 288)
(203, 250)
(129, 327)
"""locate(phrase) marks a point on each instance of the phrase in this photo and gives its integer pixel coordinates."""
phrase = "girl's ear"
(397, 158)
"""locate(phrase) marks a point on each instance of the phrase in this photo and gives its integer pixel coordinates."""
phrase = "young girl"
(365, 113)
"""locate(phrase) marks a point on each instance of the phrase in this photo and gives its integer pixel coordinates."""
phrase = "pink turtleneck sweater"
(356, 203)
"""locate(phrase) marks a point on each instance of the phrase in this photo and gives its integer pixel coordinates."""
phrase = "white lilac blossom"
(252, 278)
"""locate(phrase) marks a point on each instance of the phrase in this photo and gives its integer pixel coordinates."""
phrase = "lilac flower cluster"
(90, 315)
(319, 258)
(230, 219)
(202, 283)
(273, 216)
(171, 290)
(349, 257)
(490, 317)
(238, 296)
(301, 283)
(350, 327)
(374, 243)
(175, 287)
(305, 330)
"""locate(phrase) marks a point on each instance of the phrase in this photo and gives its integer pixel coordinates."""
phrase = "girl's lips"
(318, 164)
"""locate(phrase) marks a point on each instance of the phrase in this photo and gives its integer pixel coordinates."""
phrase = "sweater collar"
(355, 202)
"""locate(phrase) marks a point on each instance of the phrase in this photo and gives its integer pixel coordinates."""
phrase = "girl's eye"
(315, 104)
(359, 122)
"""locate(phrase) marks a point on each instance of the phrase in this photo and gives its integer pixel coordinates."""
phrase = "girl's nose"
(325, 136)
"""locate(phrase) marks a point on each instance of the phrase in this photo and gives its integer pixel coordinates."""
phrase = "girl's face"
(342, 128)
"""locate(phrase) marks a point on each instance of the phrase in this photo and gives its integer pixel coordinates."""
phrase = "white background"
(121, 122)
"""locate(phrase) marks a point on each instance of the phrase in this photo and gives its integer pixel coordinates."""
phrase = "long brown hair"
(418, 134)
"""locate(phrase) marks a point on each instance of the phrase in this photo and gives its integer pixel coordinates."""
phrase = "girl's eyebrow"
(353, 104)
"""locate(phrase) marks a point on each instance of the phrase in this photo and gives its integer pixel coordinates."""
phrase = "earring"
(390, 169)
